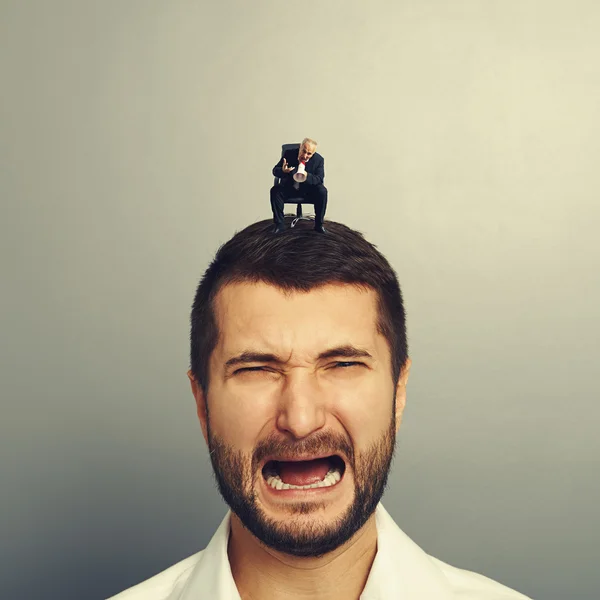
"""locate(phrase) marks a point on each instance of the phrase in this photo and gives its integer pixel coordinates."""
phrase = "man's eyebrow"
(251, 356)
(345, 352)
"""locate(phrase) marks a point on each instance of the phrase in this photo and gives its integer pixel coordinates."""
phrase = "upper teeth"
(332, 477)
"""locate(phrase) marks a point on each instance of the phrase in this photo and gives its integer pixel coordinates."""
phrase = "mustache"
(327, 443)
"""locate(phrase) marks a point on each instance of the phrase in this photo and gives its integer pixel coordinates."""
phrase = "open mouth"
(304, 474)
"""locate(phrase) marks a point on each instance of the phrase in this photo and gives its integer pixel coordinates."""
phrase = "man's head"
(299, 366)
(306, 150)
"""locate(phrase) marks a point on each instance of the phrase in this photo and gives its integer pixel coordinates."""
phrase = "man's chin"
(306, 520)
(303, 529)
(303, 523)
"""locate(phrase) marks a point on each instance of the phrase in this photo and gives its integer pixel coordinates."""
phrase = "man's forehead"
(252, 327)
(241, 292)
(262, 313)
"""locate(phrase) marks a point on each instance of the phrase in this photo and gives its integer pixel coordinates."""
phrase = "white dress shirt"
(401, 570)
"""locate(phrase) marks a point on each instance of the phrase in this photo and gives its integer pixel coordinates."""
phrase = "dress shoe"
(320, 229)
(279, 228)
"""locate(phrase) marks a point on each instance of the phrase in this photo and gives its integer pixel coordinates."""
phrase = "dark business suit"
(312, 190)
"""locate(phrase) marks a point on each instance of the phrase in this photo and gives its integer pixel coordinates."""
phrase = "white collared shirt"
(401, 571)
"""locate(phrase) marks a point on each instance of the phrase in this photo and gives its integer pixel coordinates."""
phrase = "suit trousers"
(310, 194)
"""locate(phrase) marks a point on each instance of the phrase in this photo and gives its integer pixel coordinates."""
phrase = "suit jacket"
(401, 571)
(315, 168)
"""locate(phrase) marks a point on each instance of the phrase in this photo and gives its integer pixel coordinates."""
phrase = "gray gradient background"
(461, 137)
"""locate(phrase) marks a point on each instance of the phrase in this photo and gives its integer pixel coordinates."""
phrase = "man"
(312, 190)
(299, 367)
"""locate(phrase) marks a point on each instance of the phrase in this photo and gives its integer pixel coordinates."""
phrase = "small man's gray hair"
(308, 141)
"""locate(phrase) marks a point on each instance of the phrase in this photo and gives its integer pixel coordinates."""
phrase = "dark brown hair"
(298, 259)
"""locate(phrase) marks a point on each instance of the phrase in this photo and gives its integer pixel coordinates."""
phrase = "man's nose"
(302, 406)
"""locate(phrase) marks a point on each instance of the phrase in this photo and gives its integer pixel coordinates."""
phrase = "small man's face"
(301, 421)
(306, 151)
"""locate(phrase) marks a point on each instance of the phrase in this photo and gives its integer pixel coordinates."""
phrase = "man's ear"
(201, 409)
(401, 392)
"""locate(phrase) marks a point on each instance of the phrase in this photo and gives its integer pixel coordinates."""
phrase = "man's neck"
(260, 572)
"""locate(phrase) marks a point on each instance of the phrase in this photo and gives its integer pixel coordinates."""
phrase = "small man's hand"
(285, 168)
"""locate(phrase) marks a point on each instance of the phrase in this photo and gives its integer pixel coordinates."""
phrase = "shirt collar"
(211, 578)
(401, 569)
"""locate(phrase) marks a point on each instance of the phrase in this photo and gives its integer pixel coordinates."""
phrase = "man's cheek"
(242, 426)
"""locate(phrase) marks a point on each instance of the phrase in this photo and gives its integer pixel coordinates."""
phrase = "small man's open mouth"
(304, 474)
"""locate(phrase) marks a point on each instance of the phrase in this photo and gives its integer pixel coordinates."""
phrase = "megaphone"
(300, 174)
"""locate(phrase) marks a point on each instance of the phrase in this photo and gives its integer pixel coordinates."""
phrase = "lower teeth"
(332, 477)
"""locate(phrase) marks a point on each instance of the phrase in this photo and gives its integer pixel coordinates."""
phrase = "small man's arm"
(281, 169)
(318, 176)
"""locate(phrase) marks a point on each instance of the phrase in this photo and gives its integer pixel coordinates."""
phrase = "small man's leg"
(277, 204)
(319, 197)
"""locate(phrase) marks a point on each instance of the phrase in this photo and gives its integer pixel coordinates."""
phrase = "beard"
(236, 474)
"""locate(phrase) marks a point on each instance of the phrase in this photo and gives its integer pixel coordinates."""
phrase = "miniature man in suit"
(311, 190)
